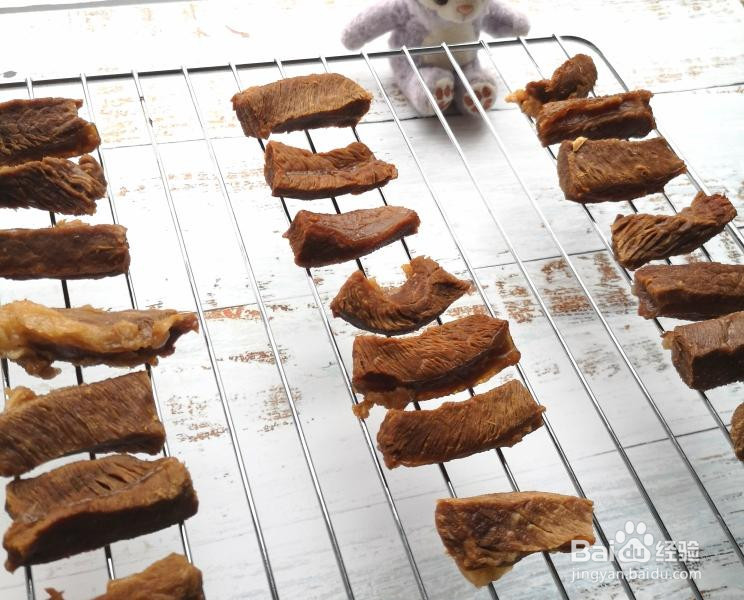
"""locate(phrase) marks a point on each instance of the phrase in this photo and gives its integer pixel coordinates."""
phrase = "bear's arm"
(502, 20)
(377, 20)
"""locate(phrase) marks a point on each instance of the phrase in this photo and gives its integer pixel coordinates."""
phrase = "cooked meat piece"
(115, 415)
(737, 431)
(53, 184)
(497, 419)
(710, 353)
(171, 578)
(638, 239)
(693, 292)
(613, 170)
(33, 129)
(487, 535)
(34, 336)
(321, 239)
(306, 102)
(573, 79)
(70, 250)
(443, 360)
(297, 173)
(84, 505)
(620, 116)
(426, 294)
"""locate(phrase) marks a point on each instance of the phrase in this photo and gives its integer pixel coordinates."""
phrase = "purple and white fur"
(429, 23)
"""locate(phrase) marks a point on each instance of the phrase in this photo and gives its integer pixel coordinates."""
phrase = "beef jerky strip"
(737, 431)
(33, 129)
(69, 250)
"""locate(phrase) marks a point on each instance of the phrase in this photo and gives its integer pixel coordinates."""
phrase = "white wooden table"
(688, 53)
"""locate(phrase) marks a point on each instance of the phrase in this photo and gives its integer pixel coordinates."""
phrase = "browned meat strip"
(53, 184)
(296, 173)
(640, 238)
(737, 431)
(693, 292)
(487, 535)
(497, 419)
(33, 129)
(613, 170)
(115, 415)
(306, 102)
(425, 295)
(573, 79)
(171, 578)
(620, 116)
(85, 505)
(443, 360)
(70, 250)
(710, 353)
(321, 239)
(34, 336)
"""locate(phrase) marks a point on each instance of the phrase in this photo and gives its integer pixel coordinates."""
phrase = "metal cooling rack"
(556, 566)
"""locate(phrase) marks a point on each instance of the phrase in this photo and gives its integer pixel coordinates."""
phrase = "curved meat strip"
(737, 431)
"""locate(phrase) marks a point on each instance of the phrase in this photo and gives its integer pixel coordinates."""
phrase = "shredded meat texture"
(33, 129)
(306, 102)
(69, 250)
(487, 535)
(304, 175)
(392, 372)
(620, 116)
(575, 78)
(321, 239)
(53, 184)
(497, 419)
(34, 336)
(88, 504)
(737, 431)
(614, 170)
(710, 353)
(171, 578)
(428, 291)
(115, 415)
(693, 292)
(641, 238)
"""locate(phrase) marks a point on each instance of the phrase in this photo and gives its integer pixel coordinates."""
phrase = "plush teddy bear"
(429, 23)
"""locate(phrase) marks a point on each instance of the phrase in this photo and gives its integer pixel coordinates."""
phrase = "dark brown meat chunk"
(737, 431)
(53, 184)
(33, 129)
(69, 250)
(320, 239)
(710, 353)
(487, 535)
(115, 415)
(620, 116)
(638, 239)
(392, 372)
(613, 170)
(304, 175)
(306, 102)
(694, 292)
(575, 78)
(34, 336)
(171, 578)
(427, 293)
(85, 505)
(497, 419)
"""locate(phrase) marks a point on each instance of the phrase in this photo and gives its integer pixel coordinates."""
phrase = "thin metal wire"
(272, 342)
(232, 430)
(471, 270)
(709, 405)
(133, 300)
(585, 290)
(347, 381)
